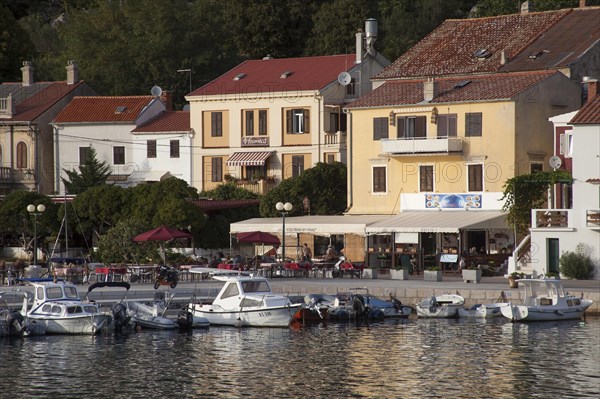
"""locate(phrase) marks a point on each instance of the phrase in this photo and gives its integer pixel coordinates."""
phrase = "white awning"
(317, 225)
(249, 158)
(439, 222)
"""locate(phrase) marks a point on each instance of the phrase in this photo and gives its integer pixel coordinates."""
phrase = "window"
(249, 123)
(84, 154)
(297, 121)
(411, 126)
(446, 125)
(566, 144)
(217, 170)
(151, 148)
(119, 155)
(216, 127)
(380, 128)
(536, 167)
(476, 177)
(334, 122)
(426, 178)
(379, 179)
(473, 124)
(351, 88)
(262, 122)
(329, 158)
(174, 148)
(21, 155)
(297, 165)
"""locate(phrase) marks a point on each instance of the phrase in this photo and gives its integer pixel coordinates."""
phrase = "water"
(398, 359)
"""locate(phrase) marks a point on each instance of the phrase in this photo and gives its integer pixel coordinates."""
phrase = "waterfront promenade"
(408, 291)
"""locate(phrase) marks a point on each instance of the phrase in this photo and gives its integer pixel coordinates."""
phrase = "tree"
(117, 244)
(15, 47)
(91, 174)
(324, 185)
(526, 192)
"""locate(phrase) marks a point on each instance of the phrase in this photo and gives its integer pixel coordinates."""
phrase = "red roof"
(168, 121)
(452, 48)
(257, 76)
(44, 96)
(589, 113)
(207, 205)
(104, 109)
(453, 89)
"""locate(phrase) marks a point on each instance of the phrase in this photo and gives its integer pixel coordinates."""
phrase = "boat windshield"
(255, 286)
(71, 292)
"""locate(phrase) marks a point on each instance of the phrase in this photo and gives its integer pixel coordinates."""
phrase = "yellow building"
(445, 145)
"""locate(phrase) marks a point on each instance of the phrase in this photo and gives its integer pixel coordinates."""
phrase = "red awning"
(251, 158)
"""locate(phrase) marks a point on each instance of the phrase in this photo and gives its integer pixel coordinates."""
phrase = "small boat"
(442, 306)
(392, 308)
(120, 317)
(546, 300)
(186, 320)
(57, 305)
(14, 322)
(152, 316)
(356, 306)
(247, 301)
(314, 309)
(480, 311)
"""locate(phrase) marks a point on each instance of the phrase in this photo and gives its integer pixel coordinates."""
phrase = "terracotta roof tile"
(104, 109)
(450, 48)
(589, 113)
(207, 205)
(168, 121)
(452, 89)
(306, 73)
(32, 101)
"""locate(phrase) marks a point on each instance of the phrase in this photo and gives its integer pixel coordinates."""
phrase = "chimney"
(527, 7)
(167, 98)
(72, 73)
(429, 90)
(371, 36)
(590, 86)
(582, 3)
(359, 46)
(503, 58)
(27, 70)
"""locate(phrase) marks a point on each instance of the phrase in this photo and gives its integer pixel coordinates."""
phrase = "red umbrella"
(163, 234)
(258, 237)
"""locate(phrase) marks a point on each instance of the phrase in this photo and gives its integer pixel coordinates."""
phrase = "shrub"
(577, 264)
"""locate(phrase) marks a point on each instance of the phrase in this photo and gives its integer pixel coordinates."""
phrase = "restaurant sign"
(251, 141)
(455, 201)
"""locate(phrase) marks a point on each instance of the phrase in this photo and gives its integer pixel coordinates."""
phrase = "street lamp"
(35, 211)
(284, 209)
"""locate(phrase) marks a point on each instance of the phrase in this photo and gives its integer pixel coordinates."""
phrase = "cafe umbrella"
(258, 237)
(162, 234)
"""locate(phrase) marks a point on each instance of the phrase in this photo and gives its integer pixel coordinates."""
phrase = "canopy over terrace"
(316, 225)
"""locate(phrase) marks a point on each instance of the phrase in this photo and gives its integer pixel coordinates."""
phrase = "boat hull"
(280, 316)
(154, 322)
(546, 313)
(442, 312)
(488, 311)
(85, 325)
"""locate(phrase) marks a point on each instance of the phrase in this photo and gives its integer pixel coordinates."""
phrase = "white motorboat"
(247, 301)
(546, 300)
(442, 306)
(120, 318)
(14, 322)
(57, 305)
(152, 316)
(480, 311)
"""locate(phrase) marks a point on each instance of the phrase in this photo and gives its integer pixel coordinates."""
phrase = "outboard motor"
(120, 316)
(185, 319)
(15, 322)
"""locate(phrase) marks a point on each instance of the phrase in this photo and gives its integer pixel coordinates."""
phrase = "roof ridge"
(562, 10)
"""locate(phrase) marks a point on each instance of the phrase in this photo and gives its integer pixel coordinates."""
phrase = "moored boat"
(152, 316)
(481, 311)
(546, 300)
(442, 306)
(14, 322)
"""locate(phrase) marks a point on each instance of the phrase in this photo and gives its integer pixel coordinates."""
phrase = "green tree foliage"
(324, 185)
(578, 264)
(526, 192)
(91, 174)
(117, 244)
(15, 47)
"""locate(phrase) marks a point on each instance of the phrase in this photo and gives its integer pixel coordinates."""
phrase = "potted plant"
(513, 279)
(399, 273)
(472, 275)
(433, 274)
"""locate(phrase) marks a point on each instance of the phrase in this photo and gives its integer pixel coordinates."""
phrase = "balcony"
(260, 187)
(422, 145)
(10, 175)
(592, 219)
(550, 218)
(335, 138)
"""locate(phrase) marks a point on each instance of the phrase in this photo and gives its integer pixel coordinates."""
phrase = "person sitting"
(306, 253)
(331, 254)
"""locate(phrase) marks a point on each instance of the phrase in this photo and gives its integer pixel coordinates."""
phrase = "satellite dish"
(555, 162)
(156, 91)
(344, 78)
(186, 107)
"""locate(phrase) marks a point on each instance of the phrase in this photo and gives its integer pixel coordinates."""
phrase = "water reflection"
(402, 358)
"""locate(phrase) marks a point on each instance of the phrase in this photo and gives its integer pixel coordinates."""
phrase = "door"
(553, 255)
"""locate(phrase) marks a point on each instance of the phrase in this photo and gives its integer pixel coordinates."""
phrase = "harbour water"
(415, 358)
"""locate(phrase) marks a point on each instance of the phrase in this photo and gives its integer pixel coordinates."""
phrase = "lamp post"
(284, 209)
(35, 211)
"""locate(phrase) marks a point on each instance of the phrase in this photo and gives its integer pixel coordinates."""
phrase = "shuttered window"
(473, 122)
(411, 126)
(174, 148)
(119, 155)
(476, 177)
(297, 165)
(426, 178)
(151, 148)
(216, 124)
(446, 125)
(262, 122)
(21, 155)
(297, 121)
(217, 169)
(380, 128)
(249, 123)
(379, 179)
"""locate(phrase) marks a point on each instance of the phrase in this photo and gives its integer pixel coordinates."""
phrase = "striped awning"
(250, 158)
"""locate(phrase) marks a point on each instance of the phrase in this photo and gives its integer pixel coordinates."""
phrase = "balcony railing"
(9, 175)
(260, 187)
(550, 218)
(421, 145)
(592, 218)
(335, 138)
